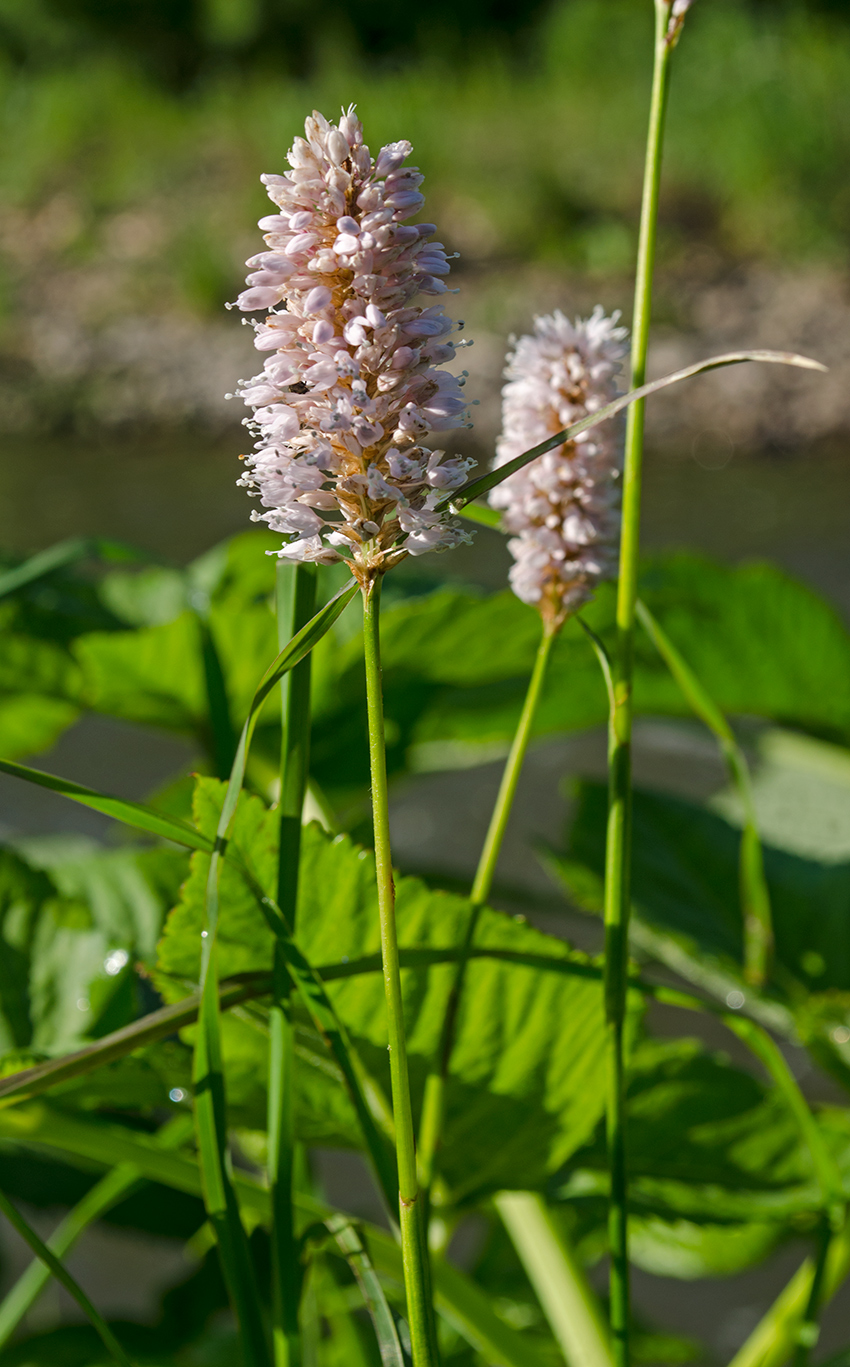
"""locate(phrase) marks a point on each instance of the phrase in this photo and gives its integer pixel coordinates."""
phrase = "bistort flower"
(564, 507)
(351, 385)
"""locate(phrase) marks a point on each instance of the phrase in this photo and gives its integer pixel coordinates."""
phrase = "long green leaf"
(561, 1286)
(458, 1299)
(222, 731)
(483, 515)
(476, 487)
(103, 1196)
(134, 814)
(61, 1274)
(31, 1082)
(755, 897)
(351, 1245)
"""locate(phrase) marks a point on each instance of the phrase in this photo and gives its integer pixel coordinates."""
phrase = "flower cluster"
(351, 387)
(563, 506)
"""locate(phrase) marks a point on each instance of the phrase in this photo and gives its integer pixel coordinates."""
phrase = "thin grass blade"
(134, 814)
(351, 1246)
(219, 1198)
(103, 1196)
(65, 553)
(31, 1082)
(483, 515)
(476, 487)
(64, 1277)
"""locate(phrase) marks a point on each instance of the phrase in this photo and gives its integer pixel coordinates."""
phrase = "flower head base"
(563, 506)
(351, 387)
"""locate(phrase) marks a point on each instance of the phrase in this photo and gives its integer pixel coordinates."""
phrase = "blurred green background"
(138, 128)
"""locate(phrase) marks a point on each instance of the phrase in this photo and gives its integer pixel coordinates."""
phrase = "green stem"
(411, 1213)
(433, 1105)
(617, 858)
(296, 603)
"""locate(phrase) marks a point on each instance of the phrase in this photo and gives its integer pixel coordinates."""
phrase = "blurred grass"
(536, 159)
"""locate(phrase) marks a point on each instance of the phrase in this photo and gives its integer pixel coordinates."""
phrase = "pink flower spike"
(564, 506)
(351, 386)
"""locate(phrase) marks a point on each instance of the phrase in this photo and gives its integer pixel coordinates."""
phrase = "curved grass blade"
(476, 487)
(50, 1260)
(558, 1281)
(103, 1196)
(755, 897)
(108, 1192)
(351, 1246)
(373, 1110)
(219, 1198)
(32, 1082)
(134, 814)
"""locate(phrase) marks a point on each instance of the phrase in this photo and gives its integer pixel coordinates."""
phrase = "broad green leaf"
(74, 919)
(709, 1150)
(686, 1250)
(29, 664)
(456, 666)
(527, 1065)
(705, 1143)
(153, 675)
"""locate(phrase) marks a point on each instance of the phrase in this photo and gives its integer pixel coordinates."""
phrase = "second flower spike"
(564, 507)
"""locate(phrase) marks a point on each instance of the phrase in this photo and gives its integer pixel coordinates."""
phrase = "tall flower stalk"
(669, 16)
(564, 511)
(349, 391)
